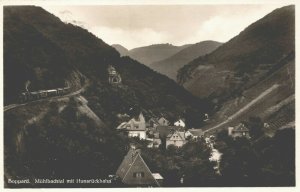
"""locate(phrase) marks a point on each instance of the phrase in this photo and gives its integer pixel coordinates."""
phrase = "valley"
(203, 114)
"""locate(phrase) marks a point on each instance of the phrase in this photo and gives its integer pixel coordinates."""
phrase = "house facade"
(133, 171)
(135, 127)
(113, 76)
(177, 139)
(163, 121)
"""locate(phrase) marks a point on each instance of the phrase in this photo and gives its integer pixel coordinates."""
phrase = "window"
(138, 174)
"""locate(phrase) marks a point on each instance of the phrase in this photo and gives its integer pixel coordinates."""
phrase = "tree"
(255, 126)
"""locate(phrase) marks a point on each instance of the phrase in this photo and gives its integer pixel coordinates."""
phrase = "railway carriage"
(36, 95)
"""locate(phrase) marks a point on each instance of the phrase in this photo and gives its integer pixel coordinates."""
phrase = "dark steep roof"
(126, 163)
(134, 163)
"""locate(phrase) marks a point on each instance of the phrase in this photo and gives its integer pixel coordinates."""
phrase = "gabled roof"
(179, 133)
(180, 122)
(196, 132)
(127, 162)
(133, 163)
(133, 124)
(123, 125)
(164, 131)
(162, 118)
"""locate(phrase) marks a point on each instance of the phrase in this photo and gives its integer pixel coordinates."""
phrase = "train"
(41, 94)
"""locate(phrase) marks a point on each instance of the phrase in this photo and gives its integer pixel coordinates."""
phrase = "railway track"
(13, 106)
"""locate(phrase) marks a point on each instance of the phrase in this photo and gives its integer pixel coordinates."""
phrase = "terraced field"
(272, 97)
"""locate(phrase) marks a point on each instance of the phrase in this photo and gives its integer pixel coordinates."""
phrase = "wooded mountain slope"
(240, 62)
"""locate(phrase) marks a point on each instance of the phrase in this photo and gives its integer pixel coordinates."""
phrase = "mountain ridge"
(243, 58)
(155, 52)
(170, 65)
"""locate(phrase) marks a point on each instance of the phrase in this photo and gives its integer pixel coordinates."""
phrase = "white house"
(177, 139)
(179, 123)
(135, 127)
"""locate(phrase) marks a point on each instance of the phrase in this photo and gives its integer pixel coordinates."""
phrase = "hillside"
(242, 61)
(77, 51)
(171, 65)
(49, 53)
(122, 50)
(154, 53)
(272, 99)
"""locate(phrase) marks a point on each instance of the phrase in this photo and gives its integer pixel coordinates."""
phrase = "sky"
(141, 25)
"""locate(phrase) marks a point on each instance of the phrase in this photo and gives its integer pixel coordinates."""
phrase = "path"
(245, 108)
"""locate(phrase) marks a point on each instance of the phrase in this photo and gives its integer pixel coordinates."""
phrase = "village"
(149, 95)
(133, 171)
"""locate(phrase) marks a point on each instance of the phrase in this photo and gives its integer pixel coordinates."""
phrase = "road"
(12, 106)
(245, 108)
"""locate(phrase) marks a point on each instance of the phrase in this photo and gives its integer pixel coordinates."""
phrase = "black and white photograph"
(149, 95)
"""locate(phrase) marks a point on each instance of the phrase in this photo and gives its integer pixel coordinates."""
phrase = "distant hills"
(242, 61)
(152, 53)
(166, 58)
(47, 52)
(170, 65)
(40, 48)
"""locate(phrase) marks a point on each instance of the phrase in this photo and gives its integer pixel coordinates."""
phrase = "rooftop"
(241, 127)
(196, 132)
(157, 176)
(166, 130)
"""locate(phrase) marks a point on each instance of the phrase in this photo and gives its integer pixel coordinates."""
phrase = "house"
(163, 121)
(194, 133)
(177, 139)
(133, 171)
(153, 122)
(164, 131)
(239, 131)
(179, 123)
(113, 76)
(135, 127)
(154, 141)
